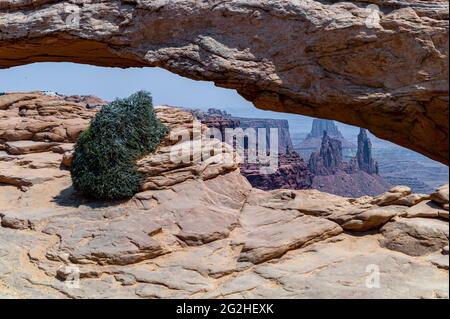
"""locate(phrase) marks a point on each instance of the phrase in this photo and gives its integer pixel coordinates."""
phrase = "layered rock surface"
(217, 119)
(292, 173)
(200, 230)
(326, 169)
(186, 153)
(40, 117)
(321, 59)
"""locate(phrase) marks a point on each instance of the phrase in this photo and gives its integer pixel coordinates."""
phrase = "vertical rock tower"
(313, 141)
(364, 157)
(329, 160)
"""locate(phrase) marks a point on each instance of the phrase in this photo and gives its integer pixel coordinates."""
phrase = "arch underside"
(313, 58)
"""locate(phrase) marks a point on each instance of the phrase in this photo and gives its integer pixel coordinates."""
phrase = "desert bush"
(104, 162)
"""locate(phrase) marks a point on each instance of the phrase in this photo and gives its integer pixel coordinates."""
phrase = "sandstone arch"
(314, 57)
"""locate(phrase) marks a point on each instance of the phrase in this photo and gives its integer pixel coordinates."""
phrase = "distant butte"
(313, 140)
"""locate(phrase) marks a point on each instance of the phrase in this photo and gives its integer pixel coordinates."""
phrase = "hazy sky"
(109, 83)
(166, 88)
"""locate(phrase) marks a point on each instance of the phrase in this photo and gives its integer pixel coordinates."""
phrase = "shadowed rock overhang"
(327, 59)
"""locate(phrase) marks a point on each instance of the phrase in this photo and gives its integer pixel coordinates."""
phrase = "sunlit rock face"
(39, 116)
(292, 173)
(383, 70)
(199, 230)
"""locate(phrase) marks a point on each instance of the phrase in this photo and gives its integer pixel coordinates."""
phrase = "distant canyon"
(298, 140)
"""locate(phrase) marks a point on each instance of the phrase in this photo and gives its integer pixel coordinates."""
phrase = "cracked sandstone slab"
(200, 237)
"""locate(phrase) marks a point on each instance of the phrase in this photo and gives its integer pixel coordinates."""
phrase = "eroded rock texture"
(40, 117)
(201, 231)
(317, 58)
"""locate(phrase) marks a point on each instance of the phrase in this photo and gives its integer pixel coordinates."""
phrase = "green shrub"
(104, 162)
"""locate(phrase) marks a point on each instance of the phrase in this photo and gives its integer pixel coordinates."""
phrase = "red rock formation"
(355, 178)
(221, 120)
(284, 137)
(329, 160)
(351, 185)
(292, 173)
(364, 155)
